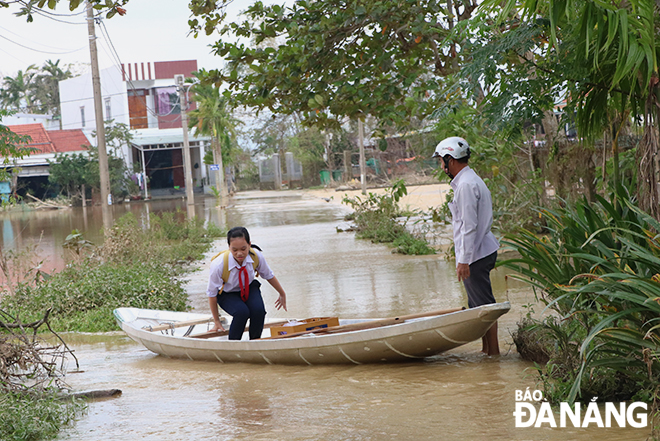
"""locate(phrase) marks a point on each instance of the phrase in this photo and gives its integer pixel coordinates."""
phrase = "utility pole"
(106, 197)
(187, 167)
(220, 181)
(363, 167)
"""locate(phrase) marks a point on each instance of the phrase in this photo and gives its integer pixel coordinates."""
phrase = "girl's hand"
(281, 302)
(217, 327)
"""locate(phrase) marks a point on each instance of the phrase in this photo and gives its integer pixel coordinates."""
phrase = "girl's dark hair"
(238, 232)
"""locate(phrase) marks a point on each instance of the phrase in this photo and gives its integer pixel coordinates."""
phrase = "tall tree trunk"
(550, 127)
(647, 175)
(330, 160)
(589, 178)
(220, 175)
(615, 159)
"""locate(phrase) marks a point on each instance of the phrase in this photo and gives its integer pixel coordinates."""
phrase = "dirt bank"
(419, 196)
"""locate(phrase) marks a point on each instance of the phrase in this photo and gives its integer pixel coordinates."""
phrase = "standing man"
(472, 216)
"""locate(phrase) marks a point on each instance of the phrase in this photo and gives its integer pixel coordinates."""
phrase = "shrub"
(375, 220)
(26, 417)
(135, 267)
(599, 270)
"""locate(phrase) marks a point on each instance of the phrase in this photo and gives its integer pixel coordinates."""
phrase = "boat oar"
(179, 324)
(211, 334)
(368, 324)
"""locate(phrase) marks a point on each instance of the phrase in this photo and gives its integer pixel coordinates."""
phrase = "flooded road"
(460, 395)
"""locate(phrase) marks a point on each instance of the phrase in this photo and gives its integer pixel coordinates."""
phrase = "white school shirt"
(215, 279)
(472, 217)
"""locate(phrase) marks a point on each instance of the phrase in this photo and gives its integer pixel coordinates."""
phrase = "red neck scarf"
(244, 283)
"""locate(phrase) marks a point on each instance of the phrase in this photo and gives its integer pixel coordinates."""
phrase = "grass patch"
(135, 267)
(24, 417)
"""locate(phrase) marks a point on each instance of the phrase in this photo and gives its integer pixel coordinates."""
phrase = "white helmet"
(455, 146)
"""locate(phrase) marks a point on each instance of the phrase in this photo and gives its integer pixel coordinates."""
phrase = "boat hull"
(410, 340)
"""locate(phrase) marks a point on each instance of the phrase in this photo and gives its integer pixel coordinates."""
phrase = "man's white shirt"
(472, 217)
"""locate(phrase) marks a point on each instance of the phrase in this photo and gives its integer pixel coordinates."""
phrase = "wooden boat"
(416, 336)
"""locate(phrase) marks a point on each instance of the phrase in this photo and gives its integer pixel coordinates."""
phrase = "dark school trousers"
(478, 285)
(252, 309)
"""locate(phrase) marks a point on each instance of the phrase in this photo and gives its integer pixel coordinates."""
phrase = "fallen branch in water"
(94, 394)
(28, 363)
(45, 203)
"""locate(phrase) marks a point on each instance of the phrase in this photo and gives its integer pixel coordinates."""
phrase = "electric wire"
(40, 51)
(51, 13)
(106, 37)
(39, 12)
(31, 41)
(17, 59)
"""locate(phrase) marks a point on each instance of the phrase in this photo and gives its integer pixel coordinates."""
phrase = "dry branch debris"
(28, 362)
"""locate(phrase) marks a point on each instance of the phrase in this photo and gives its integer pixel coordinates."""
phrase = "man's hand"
(463, 271)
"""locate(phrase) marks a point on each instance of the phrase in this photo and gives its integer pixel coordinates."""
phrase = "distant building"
(144, 97)
(34, 169)
(28, 118)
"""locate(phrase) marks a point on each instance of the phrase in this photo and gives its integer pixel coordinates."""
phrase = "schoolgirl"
(233, 287)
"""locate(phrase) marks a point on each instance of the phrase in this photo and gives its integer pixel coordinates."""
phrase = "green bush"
(376, 219)
(598, 269)
(408, 244)
(135, 267)
(24, 417)
(86, 288)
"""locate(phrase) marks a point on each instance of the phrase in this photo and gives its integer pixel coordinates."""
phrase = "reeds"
(598, 269)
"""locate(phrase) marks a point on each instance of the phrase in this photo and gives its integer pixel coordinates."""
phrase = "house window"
(108, 110)
(167, 101)
(82, 115)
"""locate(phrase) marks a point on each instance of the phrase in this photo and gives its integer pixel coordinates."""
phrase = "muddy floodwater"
(460, 395)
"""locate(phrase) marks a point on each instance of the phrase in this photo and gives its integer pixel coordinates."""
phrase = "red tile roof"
(53, 141)
(69, 140)
(38, 135)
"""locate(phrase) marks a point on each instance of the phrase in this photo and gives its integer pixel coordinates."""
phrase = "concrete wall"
(77, 92)
(27, 118)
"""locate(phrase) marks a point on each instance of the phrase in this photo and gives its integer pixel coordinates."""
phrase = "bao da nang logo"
(577, 415)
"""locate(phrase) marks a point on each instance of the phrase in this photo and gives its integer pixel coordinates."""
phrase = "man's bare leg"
(490, 344)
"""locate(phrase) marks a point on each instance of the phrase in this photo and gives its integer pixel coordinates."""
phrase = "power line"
(51, 13)
(17, 59)
(91, 98)
(27, 39)
(37, 50)
(106, 37)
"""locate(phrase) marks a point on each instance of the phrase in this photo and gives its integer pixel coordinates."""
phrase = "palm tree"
(46, 87)
(16, 91)
(214, 118)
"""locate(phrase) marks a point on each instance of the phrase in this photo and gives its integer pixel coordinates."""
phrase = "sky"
(151, 30)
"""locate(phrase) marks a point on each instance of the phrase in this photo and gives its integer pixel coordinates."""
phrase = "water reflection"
(244, 410)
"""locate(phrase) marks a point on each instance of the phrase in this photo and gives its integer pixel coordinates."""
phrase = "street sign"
(215, 167)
